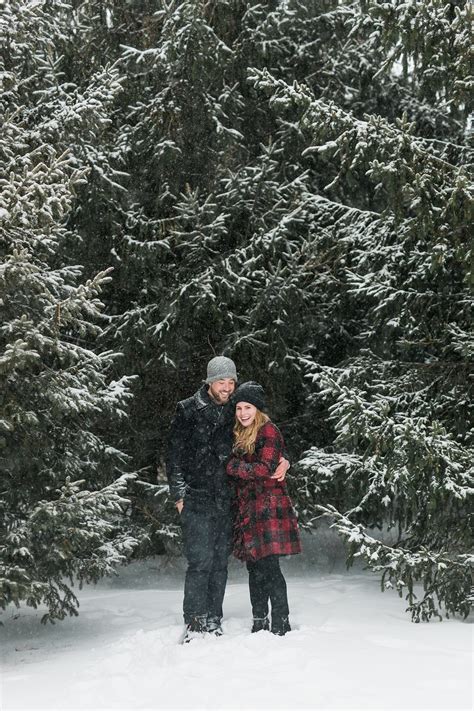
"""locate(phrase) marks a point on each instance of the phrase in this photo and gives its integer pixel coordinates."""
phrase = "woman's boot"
(280, 625)
(260, 623)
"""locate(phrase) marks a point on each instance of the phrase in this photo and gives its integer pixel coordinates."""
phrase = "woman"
(265, 524)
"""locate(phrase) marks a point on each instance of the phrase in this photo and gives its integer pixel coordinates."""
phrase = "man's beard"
(220, 398)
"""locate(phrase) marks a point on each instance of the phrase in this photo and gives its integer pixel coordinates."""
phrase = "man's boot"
(195, 628)
(280, 626)
(214, 625)
(260, 623)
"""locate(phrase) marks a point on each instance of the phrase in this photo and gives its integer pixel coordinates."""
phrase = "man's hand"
(179, 505)
(282, 468)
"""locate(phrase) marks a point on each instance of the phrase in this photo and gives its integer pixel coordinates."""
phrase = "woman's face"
(245, 413)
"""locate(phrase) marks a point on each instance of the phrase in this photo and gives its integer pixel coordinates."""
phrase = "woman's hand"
(179, 505)
(282, 468)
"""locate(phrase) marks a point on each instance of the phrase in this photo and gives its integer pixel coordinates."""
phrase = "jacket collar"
(202, 398)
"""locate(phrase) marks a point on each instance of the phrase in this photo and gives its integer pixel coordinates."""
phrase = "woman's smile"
(245, 413)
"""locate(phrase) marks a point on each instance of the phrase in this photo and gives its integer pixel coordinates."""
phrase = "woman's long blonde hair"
(245, 437)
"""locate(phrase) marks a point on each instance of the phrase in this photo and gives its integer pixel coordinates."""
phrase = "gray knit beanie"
(220, 368)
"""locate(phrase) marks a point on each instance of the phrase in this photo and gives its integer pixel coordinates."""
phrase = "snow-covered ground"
(351, 647)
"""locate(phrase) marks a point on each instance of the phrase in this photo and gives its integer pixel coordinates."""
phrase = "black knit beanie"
(250, 392)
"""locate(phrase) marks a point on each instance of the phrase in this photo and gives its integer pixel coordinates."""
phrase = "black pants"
(266, 582)
(207, 545)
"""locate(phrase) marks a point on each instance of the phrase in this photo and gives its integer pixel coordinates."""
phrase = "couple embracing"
(226, 468)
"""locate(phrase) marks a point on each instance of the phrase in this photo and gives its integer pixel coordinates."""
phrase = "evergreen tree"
(62, 484)
(170, 138)
(399, 405)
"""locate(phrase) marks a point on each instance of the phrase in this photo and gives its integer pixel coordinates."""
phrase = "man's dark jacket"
(200, 445)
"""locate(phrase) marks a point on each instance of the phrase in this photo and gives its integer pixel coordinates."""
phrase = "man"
(199, 447)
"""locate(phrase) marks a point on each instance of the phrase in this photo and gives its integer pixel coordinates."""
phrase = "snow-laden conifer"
(400, 405)
(63, 485)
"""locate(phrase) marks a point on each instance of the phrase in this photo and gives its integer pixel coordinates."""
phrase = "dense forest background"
(285, 183)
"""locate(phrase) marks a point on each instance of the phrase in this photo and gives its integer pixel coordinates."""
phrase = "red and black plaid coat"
(265, 521)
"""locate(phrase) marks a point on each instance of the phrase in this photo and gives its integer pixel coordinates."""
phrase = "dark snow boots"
(199, 625)
(195, 628)
(280, 625)
(260, 623)
(214, 626)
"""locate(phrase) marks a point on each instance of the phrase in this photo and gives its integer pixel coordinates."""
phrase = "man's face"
(221, 390)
